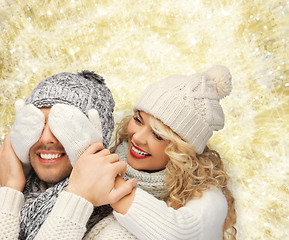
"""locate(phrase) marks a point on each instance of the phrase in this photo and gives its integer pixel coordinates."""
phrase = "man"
(60, 125)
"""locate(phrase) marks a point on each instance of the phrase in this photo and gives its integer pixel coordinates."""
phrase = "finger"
(126, 188)
(104, 152)
(94, 148)
(113, 158)
(120, 168)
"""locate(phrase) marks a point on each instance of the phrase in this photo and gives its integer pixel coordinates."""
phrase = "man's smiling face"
(48, 157)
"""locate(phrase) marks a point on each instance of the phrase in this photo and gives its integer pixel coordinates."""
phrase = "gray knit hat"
(189, 105)
(84, 90)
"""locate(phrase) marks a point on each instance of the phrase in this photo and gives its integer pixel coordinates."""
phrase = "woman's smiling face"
(146, 148)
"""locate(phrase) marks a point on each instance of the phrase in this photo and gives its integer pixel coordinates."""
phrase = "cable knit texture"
(200, 219)
(11, 202)
(189, 104)
(148, 218)
(67, 219)
(109, 229)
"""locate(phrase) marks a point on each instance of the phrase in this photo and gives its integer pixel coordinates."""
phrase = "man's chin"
(49, 181)
(52, 174)
(51, 178)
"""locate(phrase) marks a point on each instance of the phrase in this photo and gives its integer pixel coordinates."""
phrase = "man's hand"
(93, 176)
(11, 171)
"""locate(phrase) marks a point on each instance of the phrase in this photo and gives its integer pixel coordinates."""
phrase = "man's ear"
(93, 117)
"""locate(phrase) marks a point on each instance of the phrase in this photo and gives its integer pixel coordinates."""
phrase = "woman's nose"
(140, 136)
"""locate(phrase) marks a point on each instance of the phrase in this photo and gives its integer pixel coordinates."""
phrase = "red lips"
(135, 155)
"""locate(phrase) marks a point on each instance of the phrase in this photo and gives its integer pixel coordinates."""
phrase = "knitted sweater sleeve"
(150, 218)
(11, 202)
(67, 219)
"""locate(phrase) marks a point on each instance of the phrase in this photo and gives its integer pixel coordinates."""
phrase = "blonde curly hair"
(188, 174)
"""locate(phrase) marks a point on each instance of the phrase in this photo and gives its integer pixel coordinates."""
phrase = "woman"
(182, 188)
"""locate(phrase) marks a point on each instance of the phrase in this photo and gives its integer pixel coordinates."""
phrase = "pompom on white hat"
(189, 105)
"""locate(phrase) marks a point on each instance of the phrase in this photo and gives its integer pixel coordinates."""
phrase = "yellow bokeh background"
(135, 43)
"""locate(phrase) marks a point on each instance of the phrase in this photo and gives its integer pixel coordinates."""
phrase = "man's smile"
(48, 157)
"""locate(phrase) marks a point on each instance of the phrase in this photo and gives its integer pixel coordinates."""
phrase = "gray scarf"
(152, 183)
(39, 204)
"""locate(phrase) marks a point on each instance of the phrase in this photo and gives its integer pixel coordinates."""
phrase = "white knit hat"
(189, 105)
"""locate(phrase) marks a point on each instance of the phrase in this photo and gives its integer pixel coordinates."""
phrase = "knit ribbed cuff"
(72, 207)
(11, 200)
(150, 218)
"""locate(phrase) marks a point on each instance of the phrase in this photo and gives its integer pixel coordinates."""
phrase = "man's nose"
(47, 136)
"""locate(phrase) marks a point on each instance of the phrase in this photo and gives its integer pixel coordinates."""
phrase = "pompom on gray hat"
(85, 90)
(189, 105)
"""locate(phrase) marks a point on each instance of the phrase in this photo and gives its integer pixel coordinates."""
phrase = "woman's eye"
(137, 119)
(158, 136)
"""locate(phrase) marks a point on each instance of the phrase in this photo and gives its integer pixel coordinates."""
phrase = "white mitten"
(73, 129)
(26, 130)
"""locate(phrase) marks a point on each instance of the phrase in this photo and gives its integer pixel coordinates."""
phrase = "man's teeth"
(50, 156)
(139, 152)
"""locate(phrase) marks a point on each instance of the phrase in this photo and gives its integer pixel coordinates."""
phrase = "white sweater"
(147, 218)
(67, 219)
(202, 219)
(11, 202)
(150, 218)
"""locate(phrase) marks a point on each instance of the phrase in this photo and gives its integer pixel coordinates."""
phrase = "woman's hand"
(124, 203)
(11, 171)
(93, 176)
